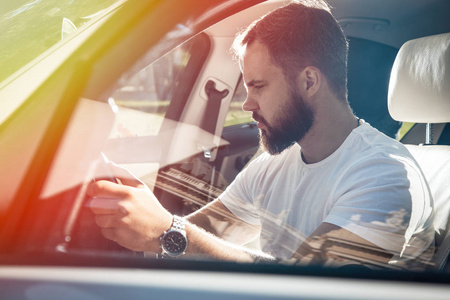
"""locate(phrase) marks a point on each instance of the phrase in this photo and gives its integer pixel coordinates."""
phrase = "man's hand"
(129, 214)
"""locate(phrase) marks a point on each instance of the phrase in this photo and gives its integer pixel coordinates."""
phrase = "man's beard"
(291, 124)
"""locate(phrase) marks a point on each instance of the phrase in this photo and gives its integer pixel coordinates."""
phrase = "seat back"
(435, 164)
(419, 92)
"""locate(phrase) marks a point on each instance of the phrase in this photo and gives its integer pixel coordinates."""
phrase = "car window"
(185, 164)
(144, 98)
(132, 130)
(29, 28)
(235, 113)
(138, 122)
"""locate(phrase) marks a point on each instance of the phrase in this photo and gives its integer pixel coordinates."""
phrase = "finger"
(119, 172)
(107, 189)
(105, 221)
(104, 206)
(132, 181)
(126, 177)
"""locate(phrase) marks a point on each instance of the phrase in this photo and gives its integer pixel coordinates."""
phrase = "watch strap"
(178, 223)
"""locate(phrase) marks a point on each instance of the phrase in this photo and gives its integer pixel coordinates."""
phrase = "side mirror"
(67, 28)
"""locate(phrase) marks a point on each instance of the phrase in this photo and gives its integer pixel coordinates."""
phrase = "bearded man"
(326, 177)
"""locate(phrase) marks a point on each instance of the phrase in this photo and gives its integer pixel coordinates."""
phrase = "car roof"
(366, 19)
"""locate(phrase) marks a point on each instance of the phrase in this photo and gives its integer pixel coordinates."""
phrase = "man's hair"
(301, 34)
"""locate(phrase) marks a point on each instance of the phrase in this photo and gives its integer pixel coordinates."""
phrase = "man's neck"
(331, 128)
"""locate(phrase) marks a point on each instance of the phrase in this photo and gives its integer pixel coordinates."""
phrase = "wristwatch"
(174, 241)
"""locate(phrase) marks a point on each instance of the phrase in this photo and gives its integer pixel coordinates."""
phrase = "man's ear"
(309, 80)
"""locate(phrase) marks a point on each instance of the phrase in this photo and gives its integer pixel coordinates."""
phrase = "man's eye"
(258, 87)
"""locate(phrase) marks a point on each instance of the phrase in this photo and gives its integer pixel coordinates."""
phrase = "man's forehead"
(254, 55)
(257, 64)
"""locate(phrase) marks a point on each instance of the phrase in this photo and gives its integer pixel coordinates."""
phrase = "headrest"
(419, 88)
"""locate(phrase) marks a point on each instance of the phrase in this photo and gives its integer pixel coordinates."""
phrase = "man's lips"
(260, 122)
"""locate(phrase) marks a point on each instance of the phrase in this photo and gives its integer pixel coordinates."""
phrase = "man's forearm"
(132, 216)
(202, 243)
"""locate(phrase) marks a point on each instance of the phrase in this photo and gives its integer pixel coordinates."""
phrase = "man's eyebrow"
(254, 82)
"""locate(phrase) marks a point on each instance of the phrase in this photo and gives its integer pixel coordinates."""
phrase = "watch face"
(174, 243)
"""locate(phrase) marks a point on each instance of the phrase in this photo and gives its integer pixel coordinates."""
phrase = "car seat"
(419, 92)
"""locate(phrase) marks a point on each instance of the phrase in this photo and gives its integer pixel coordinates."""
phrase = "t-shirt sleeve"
(238, 197)
(386, 201)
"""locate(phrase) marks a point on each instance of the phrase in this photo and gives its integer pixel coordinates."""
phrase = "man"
(327, 179)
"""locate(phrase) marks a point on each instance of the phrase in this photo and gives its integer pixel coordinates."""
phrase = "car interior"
(188, 150)
(171, 114)
(413, 97)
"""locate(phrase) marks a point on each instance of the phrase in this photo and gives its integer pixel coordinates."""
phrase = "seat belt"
(211, 114)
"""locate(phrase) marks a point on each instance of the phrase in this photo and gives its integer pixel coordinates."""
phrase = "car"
(153, 87)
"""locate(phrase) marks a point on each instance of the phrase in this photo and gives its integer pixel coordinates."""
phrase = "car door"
(99, 114)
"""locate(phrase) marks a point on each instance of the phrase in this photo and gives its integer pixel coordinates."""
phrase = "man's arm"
(335, 246)
(131, 216)
(134, 218)
(221, 222)
(203, 243)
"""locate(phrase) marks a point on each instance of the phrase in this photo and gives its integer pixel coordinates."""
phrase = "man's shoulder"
(372, 151)
(373, 141)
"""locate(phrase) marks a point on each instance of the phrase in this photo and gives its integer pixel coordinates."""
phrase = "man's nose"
(250, 104)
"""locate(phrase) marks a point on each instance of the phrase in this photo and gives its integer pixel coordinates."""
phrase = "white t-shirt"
(370, 186)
